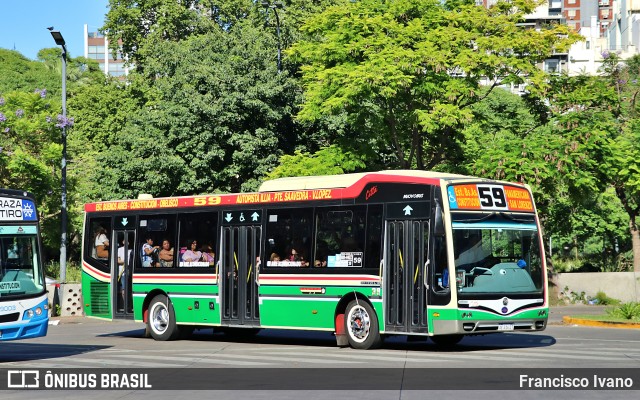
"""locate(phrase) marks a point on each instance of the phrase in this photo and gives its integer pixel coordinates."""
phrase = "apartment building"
(96, 47)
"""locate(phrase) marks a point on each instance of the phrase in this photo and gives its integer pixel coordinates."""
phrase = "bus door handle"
(426, 273)
(381, 270)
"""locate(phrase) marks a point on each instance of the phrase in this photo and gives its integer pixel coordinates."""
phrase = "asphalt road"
(276, 359)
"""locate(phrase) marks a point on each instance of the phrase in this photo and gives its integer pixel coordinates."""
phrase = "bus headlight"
(38, 311)
(29, 313)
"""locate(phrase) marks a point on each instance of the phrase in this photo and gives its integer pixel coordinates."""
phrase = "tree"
(217, 103)
(30, 152)
(408, 71)
(622, 168)
(327, 161)
(17, 72)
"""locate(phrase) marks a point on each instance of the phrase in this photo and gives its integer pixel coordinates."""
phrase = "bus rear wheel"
(361, 325)
(162, 319)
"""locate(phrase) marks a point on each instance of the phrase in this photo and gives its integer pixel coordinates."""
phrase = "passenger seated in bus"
(208, 255)
(166, 254)
(192, 254)
(150, 254)
(101, 244)
(274, 257)
(293, 255)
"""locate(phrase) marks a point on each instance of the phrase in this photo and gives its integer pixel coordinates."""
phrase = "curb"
(600, 324)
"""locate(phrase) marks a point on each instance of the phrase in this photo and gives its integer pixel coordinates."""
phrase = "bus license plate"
(505, 327)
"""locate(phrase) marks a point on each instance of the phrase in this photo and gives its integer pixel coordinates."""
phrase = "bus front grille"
(13, 317)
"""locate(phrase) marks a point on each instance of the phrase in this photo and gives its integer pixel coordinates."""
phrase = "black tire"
(447, 340)
(161, 321)
(361, 325)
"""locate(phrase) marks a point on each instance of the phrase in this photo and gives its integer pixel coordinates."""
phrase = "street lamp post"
(57, 37)
(275, 7)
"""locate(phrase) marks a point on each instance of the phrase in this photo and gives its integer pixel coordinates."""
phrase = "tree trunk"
(635, 244)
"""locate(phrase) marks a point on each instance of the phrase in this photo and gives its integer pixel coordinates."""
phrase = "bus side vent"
(99, 295)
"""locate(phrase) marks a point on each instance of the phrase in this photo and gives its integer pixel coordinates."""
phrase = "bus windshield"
(497, 254)
(20, 272)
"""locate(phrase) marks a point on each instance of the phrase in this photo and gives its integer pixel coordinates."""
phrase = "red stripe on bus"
(144, 276)
(233, 199)
(95, 271)
(318, 278)
(356, 189)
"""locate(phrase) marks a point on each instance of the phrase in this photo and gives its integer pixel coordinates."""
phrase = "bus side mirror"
(438, 227)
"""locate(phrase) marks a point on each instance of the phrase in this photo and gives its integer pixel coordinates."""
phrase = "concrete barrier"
(71, 300)
(623, 286)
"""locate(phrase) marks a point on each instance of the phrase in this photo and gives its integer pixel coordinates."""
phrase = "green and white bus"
(362, 255)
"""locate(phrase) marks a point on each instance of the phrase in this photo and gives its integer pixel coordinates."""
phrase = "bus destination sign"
(489, 197)
(12, 209)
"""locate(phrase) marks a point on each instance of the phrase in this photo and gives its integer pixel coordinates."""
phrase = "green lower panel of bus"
(436, 313)
(298, 313)
(193, 304)
(308, 307)
(470, 321)
(96, 300)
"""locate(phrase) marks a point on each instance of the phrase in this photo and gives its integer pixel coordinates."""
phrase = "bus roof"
(16, 193)
(345, 180)
(291, 189)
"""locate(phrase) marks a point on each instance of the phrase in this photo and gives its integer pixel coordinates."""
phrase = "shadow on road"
(326, 339)
(474, 343)
(12, 352)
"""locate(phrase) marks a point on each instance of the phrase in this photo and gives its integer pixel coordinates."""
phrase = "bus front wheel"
(361, 324)
(162, 319)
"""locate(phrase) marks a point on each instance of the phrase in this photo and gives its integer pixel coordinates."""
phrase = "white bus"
(23, 296)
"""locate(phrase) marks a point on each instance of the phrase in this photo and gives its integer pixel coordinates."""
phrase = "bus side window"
(99, 230)
(289, 230)
(197, 244)
(341, 234)
(158, 228)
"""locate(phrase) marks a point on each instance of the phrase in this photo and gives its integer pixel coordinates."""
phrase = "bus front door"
(121, 268)
(238, 276)
(404, 289)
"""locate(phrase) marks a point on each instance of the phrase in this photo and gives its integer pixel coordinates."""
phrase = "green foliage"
(73, 271)
(18, 73)
(30, 151)
(327, 161)
(409, 70)
(604, 300)
(214, 117)
(628, 311)
(573, 297)
(595, 126)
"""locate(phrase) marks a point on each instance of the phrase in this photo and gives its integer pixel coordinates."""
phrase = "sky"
(23, 23)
